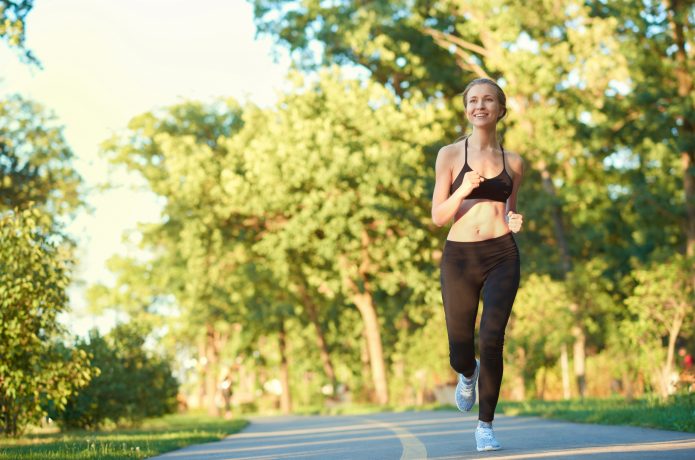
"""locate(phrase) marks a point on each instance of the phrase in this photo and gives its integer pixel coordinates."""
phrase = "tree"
(657, 36)
(35, 161)
(551, 60)
(661, 306)
(35, 367)
(132, 384)
(338, 172)
(538, 332)
(200, 248)
(383, 37)
(13, 14)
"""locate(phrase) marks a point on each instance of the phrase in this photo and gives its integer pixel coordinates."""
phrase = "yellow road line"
(413, 449)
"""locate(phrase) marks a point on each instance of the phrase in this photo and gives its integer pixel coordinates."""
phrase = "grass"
(172, 432)
(365, 409)
(676, 414)
(154, 437)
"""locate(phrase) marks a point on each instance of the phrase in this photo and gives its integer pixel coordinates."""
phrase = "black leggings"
(466, 268)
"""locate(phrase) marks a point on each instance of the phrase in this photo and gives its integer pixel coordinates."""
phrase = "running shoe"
(485, 439)
(465, 390)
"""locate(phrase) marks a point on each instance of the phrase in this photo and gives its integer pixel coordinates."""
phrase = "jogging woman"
(476, 185)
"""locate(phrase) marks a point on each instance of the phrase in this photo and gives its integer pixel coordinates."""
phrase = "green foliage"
(540, 324)
(674, 414)
(663, 291)
(660, 310)
(179, 152)
(140, 294)
(420, 360)
(132, 384)
(13, 14)
(35, 161)
(272, 209)
(285, 217)
(338, 172)
(201, 269)
(35, 368)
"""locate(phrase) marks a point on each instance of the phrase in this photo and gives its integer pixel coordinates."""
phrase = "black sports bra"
(497, 188)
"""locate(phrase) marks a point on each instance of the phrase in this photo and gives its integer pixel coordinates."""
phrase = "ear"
(502, 114)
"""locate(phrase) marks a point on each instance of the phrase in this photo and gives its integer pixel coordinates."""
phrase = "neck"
(484, 139)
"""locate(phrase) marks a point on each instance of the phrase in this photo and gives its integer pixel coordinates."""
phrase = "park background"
(227, 208)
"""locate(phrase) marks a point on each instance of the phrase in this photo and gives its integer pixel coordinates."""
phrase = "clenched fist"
(514, 221)
(471, 181)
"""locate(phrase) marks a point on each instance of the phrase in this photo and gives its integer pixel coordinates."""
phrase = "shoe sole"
(487, 449)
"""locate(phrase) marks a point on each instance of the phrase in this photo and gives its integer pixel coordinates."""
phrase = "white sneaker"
(465, 390)
(485, 439)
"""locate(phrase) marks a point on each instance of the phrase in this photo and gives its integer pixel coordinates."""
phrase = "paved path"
(436, 435)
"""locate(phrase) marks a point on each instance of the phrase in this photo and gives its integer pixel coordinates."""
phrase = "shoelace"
(467, 386)
(486, 434)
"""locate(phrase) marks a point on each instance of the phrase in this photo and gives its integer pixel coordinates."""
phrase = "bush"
(133, 384)
(36, 370)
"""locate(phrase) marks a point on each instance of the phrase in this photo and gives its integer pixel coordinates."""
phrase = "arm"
(444, 207)
(515, 220)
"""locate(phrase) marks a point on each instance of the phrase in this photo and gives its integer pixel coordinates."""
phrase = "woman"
(476, 184)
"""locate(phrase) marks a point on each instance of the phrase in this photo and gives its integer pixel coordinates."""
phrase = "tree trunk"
(202, 374)
(312, 312)
(363, 300)
(628, 386)
(556, 214)
(565, 260)
(365, 305)
(541, 383)
(579, 359)
(579, 347)
(285, 397)
(565, 367)
(677, 14)
(688, 165)
(366, 368)
(674, 330)
(518, 392)
(212, 355)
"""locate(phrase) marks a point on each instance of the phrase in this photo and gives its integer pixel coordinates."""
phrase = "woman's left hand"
(514, 221)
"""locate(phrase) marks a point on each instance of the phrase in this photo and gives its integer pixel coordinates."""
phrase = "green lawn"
(175, 431)
(154, 437)
(677, 414)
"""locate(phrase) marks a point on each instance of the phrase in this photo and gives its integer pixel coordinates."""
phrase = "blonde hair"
(501, 97)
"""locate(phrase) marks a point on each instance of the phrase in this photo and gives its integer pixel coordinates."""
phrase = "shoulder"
(515, 162)
(448, 154)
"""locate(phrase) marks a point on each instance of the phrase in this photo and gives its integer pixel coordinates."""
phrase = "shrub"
(133, 384)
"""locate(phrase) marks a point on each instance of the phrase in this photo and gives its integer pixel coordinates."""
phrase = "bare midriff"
(479, 220)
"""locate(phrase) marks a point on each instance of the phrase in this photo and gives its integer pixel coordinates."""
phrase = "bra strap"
(465, 160)
(504, 163)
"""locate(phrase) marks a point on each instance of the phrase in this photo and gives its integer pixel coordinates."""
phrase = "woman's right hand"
(471, 181)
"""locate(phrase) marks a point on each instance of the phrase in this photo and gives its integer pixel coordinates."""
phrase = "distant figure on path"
(476, 184)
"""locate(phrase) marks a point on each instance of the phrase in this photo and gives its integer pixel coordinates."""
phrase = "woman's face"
(482, 106)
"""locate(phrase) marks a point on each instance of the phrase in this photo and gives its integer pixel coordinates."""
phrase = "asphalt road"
(436, 435)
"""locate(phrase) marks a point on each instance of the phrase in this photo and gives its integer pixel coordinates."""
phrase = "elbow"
(437, 221)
